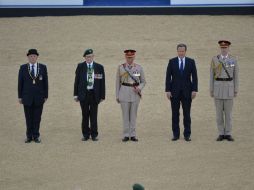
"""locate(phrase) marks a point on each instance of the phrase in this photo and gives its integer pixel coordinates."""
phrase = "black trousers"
(33, 119)
(89, 109)
(186, 106)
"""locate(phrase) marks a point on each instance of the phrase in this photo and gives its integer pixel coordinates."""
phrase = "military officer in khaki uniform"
(223, 88)
(130, 80)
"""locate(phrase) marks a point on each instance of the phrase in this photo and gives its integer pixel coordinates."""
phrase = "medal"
(37, 74)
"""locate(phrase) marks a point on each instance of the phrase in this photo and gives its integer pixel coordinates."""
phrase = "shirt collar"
(90, 64)
(35, 65)
(179, 59)
(226, 56)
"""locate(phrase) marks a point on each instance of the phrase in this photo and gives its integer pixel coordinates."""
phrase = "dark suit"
(33, 97)
(181, 86)
(89, 99)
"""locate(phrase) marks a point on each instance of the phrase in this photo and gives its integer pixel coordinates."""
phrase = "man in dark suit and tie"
(89, 90)
(181, 88)
(33, 93)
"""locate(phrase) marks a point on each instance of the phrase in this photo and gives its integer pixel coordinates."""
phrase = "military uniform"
(224, 87)
(128, 78)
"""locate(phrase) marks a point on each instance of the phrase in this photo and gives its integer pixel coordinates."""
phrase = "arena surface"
(63, 162)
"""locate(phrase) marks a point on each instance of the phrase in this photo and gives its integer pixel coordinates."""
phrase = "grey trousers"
(129, 112)
(224, 112)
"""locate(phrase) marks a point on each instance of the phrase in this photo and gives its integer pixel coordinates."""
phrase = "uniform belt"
(224, 79)
(129, 84)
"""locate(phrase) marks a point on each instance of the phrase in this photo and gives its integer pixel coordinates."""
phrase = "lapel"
(85, 71)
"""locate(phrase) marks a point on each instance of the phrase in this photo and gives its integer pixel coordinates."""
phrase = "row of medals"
(37, 73)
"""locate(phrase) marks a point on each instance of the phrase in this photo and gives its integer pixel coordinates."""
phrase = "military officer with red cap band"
(130, 80)
(223, 88)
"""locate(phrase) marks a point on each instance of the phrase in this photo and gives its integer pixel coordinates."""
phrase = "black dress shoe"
(95, 139)
(125, 139)
(37, 140)
(175, 138)
(85, 138)
(28, 140)
(229, 137)
(220, 138)
(188, 139)
(134, 139)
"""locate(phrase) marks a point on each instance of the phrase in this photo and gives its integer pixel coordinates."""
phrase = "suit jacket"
(80, 85)
(126, 93)
(33, 93)
(224, 89)
(187, 82)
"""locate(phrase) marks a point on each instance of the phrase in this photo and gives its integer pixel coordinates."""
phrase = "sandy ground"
(63, 162)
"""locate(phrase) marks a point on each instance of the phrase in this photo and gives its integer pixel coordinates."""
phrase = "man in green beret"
(138, 187)
(89, 91)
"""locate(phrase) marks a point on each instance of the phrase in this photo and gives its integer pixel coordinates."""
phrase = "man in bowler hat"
(89, 91)
(33, 93)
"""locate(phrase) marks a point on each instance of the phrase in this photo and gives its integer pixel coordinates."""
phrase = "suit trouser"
(33, 119)
(224, 109)
(186, 106)
(89, 109)
(129, 113)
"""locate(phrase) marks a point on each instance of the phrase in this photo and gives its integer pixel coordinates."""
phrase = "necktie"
(90, 75)
(32, 71)
(181, 66)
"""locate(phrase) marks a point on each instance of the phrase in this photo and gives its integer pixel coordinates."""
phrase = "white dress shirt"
(35, 68)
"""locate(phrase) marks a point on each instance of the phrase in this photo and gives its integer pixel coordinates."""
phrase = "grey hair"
(181, 45)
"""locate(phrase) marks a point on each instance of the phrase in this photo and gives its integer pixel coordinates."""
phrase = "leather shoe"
(188, 139)
(28, 140)
(175, 138)
(134, 139)
(229, 137)
(125, 139)
(220, 138)
(37, 140)
(85, 138)
(95, 139)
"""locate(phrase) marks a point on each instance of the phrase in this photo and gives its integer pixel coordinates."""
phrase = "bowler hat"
(32, 52)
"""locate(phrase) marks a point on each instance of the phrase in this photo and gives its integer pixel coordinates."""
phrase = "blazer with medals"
(33, 90)
(224, 89)
(80, 85)
(186, 82)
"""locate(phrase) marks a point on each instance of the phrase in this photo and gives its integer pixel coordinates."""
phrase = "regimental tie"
(90, 76)
(181, 66)
(32, 71)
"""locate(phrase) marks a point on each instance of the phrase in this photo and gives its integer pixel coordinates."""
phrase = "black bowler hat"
(32, 52)
(88, 52)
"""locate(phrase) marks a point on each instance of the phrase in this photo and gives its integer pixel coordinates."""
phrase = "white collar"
(89, 64)
(35, 64)
(182, 59)
(226, 56)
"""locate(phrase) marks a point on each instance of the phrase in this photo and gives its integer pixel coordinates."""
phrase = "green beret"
(87, 52)
(138, 187)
